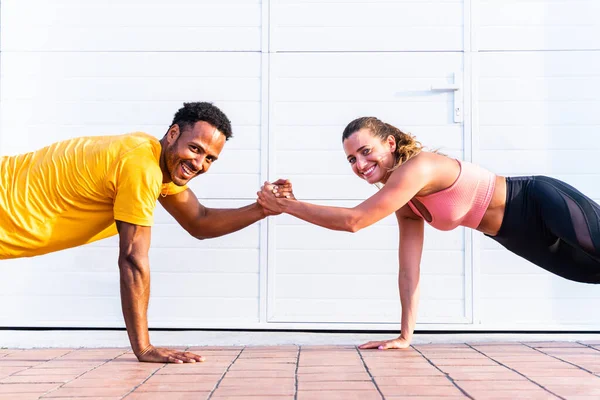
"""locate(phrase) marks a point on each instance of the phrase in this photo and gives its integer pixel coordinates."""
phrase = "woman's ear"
(391, 140)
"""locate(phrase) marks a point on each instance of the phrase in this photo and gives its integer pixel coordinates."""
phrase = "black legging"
(554, 226)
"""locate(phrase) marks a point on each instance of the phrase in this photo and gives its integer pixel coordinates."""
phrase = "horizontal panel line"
(427, 251)
(543, 101)
(133, 51)
(118, 297)
(538, 51)
(395, 299)
(365, 51)
(394, 275)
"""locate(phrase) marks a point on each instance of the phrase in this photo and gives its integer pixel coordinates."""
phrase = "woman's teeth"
(369, 171)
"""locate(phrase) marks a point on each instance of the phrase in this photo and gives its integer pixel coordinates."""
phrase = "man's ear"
(173, 133)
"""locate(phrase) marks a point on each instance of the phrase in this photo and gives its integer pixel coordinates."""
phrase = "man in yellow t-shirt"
(89, 188)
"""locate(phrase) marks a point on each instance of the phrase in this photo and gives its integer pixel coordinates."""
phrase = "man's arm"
(203, 222)
(134, 267)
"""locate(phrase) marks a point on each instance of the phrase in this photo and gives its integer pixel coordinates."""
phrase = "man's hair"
(191, 113)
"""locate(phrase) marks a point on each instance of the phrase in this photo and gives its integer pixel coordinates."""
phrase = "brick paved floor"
(540, 370)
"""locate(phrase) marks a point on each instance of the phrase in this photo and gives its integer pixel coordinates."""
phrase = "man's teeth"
(186, 169)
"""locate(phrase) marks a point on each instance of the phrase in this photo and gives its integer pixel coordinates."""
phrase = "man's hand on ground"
(156, 354)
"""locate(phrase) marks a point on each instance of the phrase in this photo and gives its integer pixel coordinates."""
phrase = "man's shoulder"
(138, 140)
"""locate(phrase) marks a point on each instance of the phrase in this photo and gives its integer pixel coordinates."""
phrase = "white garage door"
(538, 96)
(336, 61)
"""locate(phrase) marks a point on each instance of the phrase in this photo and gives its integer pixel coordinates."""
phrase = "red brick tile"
(260, 374)
(451, 369)
(68, 364)
(172, 396)
(512, 395)
(406, 372)
(487, 376)
(546, 345)
(419, 390)
(20, 396)
(557, 380)
(51, 371)
(461, 362)
(249, 349)
(19, 363)
(263, 397)
(88, 392)
(27, 387)
(254, 391)
(356, 376)
(104, 383)
(328, 348)
(183, 378)
(330, 370)
(183, 387)
(7, 371)
(339, 395)
(280, 383)
(492, 386)
(268, 355)
(564, 373)
(336, 386)
(413, 380)
(263, 367)
(426, 397)
(38, 379)
(266, 360)
(566, 390)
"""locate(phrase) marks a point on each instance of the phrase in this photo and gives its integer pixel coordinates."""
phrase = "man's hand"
(399, 343)
(281, 188)
(158, 355)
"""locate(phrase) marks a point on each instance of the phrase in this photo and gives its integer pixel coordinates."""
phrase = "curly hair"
(191, 113)
(406, 145)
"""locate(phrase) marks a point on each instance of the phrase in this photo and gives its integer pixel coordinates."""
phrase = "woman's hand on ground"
(398, 343)
(159, 355)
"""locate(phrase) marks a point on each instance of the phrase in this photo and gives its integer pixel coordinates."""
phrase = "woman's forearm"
(336, 218)
(409, 299)
(409, 274)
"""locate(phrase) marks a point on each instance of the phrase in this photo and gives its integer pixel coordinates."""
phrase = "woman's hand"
(159, 355)
(271, 196)
(399, 343)
(283, 188)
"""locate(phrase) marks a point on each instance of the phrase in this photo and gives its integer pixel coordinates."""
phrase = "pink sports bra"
(462, 203)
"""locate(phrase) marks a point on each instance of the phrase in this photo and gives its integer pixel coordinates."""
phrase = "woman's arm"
(410, 250)
(403, 184)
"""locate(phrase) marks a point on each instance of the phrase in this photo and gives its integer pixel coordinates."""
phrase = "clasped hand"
(271, 195)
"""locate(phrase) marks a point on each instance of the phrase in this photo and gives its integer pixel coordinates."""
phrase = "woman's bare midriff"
(492, 219)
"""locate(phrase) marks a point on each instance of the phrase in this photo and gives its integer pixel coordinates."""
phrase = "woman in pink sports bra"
(538, 218)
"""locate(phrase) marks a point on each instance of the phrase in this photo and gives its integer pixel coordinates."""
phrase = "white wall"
(291, 74)
(72, 68)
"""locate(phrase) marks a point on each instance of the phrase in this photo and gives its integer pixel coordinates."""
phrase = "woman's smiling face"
(370, 158)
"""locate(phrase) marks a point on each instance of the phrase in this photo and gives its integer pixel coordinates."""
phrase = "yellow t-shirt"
(70, 193)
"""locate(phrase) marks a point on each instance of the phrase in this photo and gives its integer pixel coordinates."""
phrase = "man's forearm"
(218, 222)
(135, 293)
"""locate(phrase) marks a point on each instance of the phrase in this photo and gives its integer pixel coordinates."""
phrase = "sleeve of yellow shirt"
(138, 184)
